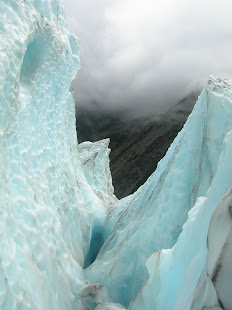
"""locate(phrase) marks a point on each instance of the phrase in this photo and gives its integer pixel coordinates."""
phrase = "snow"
(66, 241)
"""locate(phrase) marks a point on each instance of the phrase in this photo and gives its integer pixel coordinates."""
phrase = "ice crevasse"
(66, 241)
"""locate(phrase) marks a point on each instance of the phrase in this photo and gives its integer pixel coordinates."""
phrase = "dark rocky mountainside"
(136, 145)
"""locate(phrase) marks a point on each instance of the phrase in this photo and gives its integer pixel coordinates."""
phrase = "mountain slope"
(136, 145)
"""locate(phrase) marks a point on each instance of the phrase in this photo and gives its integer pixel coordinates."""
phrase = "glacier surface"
(66, 241)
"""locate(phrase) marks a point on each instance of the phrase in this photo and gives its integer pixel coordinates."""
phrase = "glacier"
(66, 241)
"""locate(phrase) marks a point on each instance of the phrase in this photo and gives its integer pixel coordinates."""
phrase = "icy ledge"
(66, 241)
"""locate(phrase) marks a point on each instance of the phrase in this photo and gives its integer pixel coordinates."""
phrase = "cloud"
(146, 55)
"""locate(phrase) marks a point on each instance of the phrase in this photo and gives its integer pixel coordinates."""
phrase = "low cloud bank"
(146, 55)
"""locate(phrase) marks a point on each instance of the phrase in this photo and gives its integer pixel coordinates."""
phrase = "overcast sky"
(143, 55)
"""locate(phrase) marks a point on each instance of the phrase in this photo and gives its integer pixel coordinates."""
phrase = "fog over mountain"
(137, 145)
(147, 55)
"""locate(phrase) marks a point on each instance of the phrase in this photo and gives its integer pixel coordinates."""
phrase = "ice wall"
(48, 210)
(66, 241)
(171, 211)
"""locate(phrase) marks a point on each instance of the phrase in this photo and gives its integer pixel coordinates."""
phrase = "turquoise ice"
(158, 244)
(66, 241)
(48, 209)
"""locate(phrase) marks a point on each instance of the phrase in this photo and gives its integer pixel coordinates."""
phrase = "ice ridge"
(163, 214)
(66, 241)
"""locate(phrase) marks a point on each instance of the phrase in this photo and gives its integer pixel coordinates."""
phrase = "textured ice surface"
(48, 209)
(66, 242)
(214, 287)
